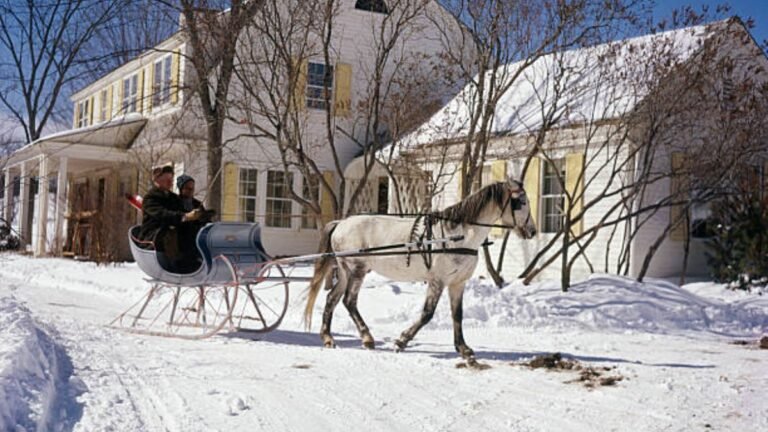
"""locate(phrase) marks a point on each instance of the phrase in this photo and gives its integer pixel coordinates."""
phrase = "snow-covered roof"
(594, 83)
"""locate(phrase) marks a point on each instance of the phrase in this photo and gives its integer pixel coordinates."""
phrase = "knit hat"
(182, 180)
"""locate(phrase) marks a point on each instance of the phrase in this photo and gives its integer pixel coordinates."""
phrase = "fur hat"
(160, 170)
(182, 180)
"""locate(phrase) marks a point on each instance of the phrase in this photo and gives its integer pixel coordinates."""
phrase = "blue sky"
(756, 9)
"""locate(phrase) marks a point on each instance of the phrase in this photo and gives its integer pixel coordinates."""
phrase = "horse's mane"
(468, 210)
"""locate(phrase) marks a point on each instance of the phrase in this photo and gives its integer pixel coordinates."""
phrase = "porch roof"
(106, 142)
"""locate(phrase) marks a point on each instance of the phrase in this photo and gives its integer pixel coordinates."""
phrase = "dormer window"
(372, 6)
(83, 113)
(130, 94)
(104, 105)
(161, 87)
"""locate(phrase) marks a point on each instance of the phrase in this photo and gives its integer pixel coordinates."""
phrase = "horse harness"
(514, 203)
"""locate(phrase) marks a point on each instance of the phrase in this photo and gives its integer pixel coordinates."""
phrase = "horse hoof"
(466, 353)
(329, 344)
(369, 344)
(400, 345)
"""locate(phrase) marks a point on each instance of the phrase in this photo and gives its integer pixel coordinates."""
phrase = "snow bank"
(36, 392)
(603, 302)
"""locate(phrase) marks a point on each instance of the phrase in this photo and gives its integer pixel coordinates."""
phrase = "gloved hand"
(191, 216)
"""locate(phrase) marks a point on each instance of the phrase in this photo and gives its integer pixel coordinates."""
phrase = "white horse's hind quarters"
(440, 266)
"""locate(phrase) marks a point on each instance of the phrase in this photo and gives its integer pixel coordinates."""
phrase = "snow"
(36, 385)
(62, 368)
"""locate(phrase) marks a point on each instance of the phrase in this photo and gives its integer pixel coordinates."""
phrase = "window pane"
(372, 6)
(279, 205)
(553, 198)
(319, 85)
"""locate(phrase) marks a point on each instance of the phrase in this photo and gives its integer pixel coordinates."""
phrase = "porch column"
(62, 204)
(40, 248)
(24, 189)
(8, 197)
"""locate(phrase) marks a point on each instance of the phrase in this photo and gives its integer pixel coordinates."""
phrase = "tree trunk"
(495, 274)
(214, 166)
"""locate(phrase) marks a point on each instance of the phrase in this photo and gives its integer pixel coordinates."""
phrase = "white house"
(622, 168)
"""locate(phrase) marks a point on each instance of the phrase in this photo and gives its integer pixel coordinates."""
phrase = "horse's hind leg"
(331, 300)
(456, 294)
(350, 302)
(430, 303)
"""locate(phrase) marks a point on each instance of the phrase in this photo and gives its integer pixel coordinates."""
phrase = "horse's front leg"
(430, 303)
(350, 302)
(456, 294)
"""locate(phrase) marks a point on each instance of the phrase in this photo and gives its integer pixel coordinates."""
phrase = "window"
(319, 85)
(310, 190)
(2, 187)
(130, 93)
(382, 206)
(101, 194)
(552, 196)
(248, 183)
(279, 203)
(103, 105)
(161, 88)
(372, 6)
(84, 113)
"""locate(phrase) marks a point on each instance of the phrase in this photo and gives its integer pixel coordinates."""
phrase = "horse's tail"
(323, 268)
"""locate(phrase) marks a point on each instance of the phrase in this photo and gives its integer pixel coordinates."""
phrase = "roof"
(594, 84)
(104, 141)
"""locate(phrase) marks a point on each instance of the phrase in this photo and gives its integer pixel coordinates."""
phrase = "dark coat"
(162, 210)
(190, 204)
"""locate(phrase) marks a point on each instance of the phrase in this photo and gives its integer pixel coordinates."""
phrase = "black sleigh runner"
(239, 287)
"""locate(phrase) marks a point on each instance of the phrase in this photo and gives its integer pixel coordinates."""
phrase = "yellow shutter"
(678, 186)
(230, 207)
(175, 72)
(299, 91)
(151, 92)
(574, 184)
(531, 184)
(498, 174)
(76, 116)
(110, 91)
(120, 96)
(326, 199)
(342, 98)
(140, 93)
(91, 110)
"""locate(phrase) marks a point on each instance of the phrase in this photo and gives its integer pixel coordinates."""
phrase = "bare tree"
(140, 26)
(43, 53)
(503, 33)
(213, 34)
(685, 132)
(272, 67)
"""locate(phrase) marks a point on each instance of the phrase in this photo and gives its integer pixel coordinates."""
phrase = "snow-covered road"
(671, 346)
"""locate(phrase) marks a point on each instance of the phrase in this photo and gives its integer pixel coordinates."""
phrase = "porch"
(56, 189)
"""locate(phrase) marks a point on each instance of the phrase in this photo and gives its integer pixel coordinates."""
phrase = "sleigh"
(236, 287)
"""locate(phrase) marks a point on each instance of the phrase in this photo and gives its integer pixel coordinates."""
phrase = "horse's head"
(516, 211)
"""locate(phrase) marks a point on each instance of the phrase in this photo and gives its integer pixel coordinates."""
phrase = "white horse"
(471, 218)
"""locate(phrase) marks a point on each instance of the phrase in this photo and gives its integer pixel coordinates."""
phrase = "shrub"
(739, 250)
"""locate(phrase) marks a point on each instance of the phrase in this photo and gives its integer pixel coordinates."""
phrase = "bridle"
(514, 203)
